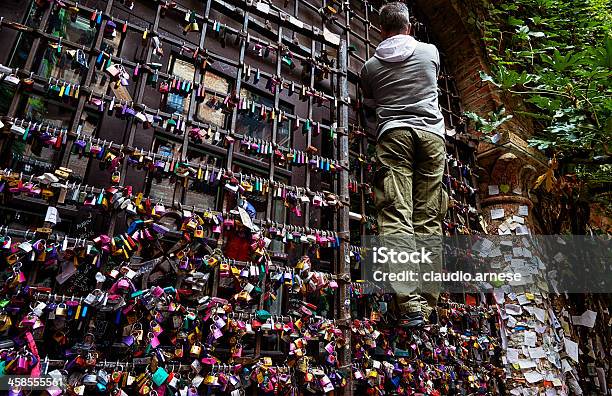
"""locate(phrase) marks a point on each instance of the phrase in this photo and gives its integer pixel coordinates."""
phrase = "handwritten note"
(533, 377)
(522, 230)
(530, 338)
(540, 314)
(526, 364)
(497, 214)
(537, 353)
(512, 355)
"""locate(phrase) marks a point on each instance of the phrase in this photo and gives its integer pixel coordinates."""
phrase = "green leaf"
(514, 21)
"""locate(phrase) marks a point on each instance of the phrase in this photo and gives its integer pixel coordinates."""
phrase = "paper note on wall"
(522, 230)
(497, 214)
(512, 355)
(331, 37)
(587, 319)
(263, 7)
(52, 215)
(537, 353)
(530, 338)
(571, 348)
(533, 377)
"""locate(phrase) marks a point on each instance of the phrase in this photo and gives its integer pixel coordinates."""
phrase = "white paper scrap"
(52, 215)
(566, 366)
(533, 377)
(530, 338)
(497, 213)
(263, 7)
(522, 230)
(540, 314)
(513, 309)
(537, 353)
(571, 348)
(587, 319)
(526, 364)
(512, 355)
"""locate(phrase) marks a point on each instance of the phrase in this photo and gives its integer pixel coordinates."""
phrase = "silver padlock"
(90, 379)
(103, 376)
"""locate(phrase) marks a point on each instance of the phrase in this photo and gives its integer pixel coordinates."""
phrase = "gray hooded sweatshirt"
(401, 82)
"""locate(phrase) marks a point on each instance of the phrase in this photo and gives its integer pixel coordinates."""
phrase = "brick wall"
(464, 53)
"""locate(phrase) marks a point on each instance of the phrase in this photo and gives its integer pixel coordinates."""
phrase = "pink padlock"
(157, 291)
(22, 365)
(123, 284)
(153, 340)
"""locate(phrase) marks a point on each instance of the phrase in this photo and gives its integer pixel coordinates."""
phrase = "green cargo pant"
(410, 200)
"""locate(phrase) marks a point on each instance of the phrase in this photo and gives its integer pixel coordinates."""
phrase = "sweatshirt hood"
(396, 48)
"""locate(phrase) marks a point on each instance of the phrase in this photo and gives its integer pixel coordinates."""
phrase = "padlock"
(196, 350)
(103, 377)
(61, 310)
(198, 232)
(332, 358)
(116, 177)
(237, 351)
(89, 379)
(138, 334)
(155, 328)
(22, 364)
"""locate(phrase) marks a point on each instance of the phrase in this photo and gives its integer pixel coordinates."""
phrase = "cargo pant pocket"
(437, 205)
(384, 187)
(443, 204)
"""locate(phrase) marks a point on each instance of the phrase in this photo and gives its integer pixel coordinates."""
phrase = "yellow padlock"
(210, 379)
(5, 322)
(61, 310)
(195, 350)
(192, 224)
(212, 261)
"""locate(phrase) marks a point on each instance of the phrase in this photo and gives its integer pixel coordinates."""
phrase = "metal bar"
(65, 153)
(273, 139)
(129, 139)
(29, 62)
(193, 103)
(343, 213)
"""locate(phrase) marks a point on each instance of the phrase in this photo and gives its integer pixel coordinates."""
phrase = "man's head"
(394, 19)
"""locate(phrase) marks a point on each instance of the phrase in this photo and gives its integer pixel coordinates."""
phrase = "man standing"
(400, 83)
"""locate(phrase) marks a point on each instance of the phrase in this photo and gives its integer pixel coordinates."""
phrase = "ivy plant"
(556, 55)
